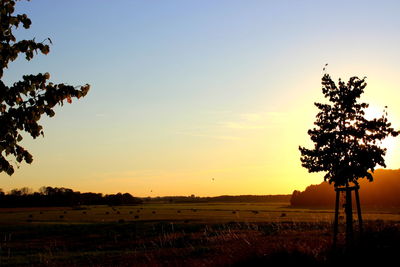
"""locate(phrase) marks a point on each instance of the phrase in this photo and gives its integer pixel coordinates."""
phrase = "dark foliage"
(226, 199)
(23, 103)
(57, 197)
(346, 144)
(321, 195)
(384, 192)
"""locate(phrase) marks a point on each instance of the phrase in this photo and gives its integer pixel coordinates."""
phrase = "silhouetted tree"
(23, 103)
(346, 143)
(60, 196)
(294, 197)
(347, 146)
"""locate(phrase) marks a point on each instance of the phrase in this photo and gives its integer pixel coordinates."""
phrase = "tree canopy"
(347, 146)
(24, 102)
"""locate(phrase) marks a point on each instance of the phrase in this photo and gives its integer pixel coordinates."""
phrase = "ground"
(210, 234)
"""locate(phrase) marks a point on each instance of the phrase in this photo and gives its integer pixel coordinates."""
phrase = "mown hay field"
(209, 234)
(193, 212)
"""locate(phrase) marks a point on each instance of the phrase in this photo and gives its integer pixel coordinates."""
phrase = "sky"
(199, 97)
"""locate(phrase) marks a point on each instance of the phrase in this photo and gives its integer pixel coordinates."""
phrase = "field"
(205, 234)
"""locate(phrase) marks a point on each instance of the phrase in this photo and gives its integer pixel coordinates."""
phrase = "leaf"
(10, 170)
(24, 102)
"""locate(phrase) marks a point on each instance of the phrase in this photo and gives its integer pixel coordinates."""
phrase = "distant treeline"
(57, 197)
(225, 199)
(383, 191)
(60, 196)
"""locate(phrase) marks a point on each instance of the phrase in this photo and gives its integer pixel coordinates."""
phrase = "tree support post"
(336, 222)
(360, 221)
(349, 217)
(349, 214)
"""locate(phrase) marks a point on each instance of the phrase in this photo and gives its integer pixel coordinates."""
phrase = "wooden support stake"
(336, 222)
(360, 221)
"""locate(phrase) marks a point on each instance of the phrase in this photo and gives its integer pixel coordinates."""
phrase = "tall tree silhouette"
(347, 146)
(24, 102)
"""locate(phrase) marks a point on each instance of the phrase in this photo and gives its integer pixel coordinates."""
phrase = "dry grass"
(180, 244)
(192, 238)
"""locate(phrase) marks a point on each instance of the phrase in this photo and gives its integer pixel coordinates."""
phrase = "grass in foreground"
(154, 243)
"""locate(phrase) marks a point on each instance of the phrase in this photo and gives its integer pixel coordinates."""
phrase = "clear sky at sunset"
(186, 91)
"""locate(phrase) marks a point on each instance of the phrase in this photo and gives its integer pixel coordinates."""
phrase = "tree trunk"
(349, 218)
(336, 221)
